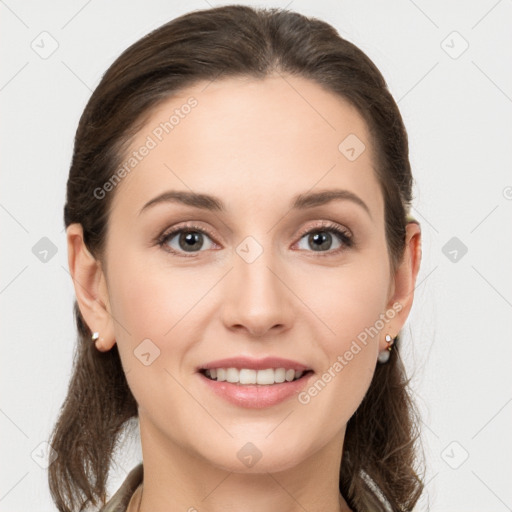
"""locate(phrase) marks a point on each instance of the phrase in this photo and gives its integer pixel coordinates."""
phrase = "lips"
(256, 396)
(254, 364)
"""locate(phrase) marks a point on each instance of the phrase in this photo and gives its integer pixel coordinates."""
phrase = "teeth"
(247, 376)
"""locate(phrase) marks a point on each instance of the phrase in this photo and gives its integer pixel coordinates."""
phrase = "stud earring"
(95, 336)
(384, 355)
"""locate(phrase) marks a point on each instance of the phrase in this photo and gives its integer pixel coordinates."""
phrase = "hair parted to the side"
(380, 443)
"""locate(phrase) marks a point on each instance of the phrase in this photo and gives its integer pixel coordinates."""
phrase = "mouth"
(255, 384)
(248, 376)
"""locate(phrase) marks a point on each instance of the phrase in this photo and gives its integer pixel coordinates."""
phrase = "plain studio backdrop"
(449, 69)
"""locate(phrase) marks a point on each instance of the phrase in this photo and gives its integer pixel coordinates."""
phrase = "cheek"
(150, 300)
(351, 308)
(348, 301)
(150, 307)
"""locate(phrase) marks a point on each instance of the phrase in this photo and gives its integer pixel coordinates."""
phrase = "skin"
(254, 144)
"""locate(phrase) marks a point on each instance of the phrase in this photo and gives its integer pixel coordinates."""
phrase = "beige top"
(120, 500)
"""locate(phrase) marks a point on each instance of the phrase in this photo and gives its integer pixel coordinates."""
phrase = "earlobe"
(90, 288)
(405, 280)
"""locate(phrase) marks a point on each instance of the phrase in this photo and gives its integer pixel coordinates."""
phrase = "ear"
(90, 288)
(404, 282)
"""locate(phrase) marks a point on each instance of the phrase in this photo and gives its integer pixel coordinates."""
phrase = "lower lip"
(256, 396)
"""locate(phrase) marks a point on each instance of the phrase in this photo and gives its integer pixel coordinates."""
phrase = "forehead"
(239, 135)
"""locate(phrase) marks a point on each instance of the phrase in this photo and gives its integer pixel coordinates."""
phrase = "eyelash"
(343, 235)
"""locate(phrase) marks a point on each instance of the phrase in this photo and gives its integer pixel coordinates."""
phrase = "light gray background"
(457, 108)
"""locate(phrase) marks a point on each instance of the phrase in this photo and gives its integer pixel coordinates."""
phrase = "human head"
(255, 45)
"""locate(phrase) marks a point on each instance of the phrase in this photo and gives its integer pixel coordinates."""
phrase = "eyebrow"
(214, 204)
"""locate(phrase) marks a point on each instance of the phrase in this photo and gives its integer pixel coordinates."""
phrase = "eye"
(321, 238)
(184, 239)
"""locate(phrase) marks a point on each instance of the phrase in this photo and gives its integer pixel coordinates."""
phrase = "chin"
(253, 457)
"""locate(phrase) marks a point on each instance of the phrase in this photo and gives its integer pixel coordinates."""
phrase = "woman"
(243, 262)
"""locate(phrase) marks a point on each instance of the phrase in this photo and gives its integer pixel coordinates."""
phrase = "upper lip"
(255, 364)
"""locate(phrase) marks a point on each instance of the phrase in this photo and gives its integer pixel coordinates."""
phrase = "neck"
(175, 478)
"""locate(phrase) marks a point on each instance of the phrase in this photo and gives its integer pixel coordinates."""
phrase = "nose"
(258, 298)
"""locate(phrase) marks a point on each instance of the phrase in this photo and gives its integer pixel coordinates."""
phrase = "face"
(257, 270)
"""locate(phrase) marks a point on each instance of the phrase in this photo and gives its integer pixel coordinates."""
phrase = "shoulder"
(119, 501)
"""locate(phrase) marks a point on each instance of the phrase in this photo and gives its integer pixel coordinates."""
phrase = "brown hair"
(379, 448)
